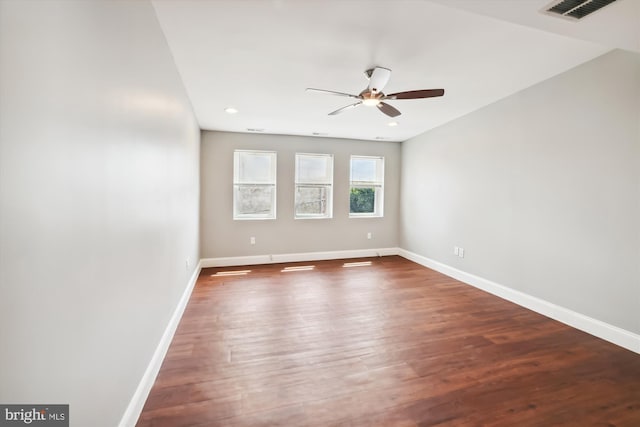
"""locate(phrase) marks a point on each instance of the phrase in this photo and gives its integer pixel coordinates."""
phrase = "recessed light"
(392, 124)
(230, 110)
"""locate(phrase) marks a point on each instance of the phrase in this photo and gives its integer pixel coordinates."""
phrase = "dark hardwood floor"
(380, 342)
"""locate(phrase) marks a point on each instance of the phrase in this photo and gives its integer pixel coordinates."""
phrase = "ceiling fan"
(373, 95)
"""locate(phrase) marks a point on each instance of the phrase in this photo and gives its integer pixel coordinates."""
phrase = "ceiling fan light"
(372, 102)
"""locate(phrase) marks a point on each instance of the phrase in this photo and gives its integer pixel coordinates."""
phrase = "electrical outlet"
(456, 250)
(369, 235)
(252, 240)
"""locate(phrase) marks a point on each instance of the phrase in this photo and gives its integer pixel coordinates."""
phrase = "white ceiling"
(617, 25)
(259, 56)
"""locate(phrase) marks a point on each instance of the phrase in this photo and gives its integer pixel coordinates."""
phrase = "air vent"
(575, 9)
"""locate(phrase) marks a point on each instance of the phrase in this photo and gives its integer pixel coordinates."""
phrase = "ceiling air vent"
(575, 9)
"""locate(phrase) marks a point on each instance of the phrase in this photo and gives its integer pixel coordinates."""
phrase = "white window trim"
(329, 214)
(254, 217)
(378, 186)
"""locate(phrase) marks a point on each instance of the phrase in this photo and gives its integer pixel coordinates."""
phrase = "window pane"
(367, 186)
(314, 180)
(363, 200)
(312, 200)
(254, 190)
(312, 169)
(255, 167)
(254, 200)
(364, 169)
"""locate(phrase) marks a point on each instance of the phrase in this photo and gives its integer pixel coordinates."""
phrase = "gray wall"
(99, 201)
(221, 236)
(542, 189)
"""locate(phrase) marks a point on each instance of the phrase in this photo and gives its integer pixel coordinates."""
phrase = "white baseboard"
(595, 327)
(613, 334)
(133, 411)
(299, 257)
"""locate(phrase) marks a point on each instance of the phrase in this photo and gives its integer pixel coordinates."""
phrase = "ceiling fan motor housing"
(372, 95)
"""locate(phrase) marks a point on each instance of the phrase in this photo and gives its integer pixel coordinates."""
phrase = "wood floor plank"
(380, 342)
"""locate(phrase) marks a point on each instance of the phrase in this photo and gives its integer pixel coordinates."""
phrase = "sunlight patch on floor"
(356, 264)
(298, 268)
(231, 273)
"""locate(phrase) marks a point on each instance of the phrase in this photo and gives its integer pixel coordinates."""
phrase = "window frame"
(237, 184)
(377, 185)
(328, 185)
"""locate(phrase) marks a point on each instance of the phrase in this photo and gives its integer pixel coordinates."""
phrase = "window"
(314, 181)
(254, 184)
(367, 187)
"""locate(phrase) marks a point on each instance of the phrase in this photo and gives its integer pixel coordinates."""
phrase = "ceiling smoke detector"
(575, 10)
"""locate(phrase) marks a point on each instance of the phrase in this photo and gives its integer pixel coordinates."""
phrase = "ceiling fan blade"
(416, 94)
(331, 92)
(379, 79)
(388, 109)
(348, 107)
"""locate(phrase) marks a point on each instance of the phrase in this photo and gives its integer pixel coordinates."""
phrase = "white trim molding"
(598, 328)
(595, 327)
(134, 409)
(299, 257)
